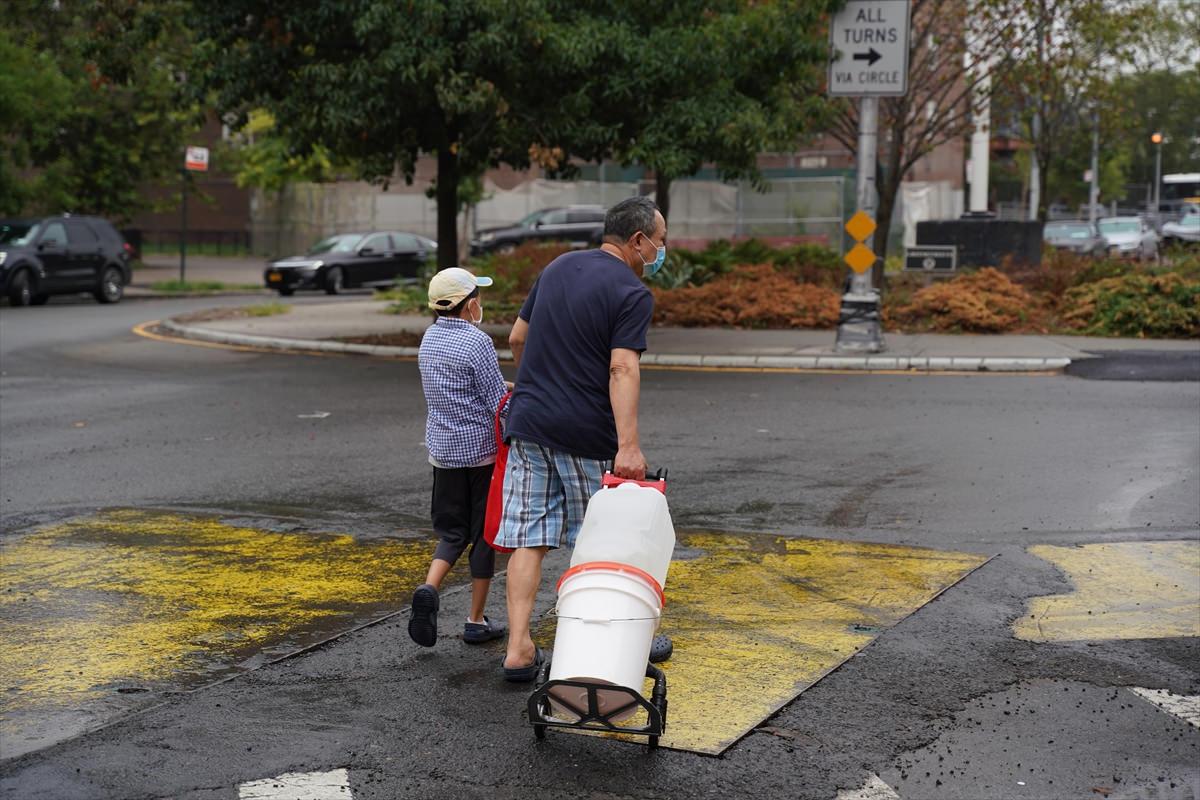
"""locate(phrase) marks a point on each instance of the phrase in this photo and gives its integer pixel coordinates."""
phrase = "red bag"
(495, 500)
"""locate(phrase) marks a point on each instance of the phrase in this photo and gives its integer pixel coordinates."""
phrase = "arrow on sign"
(871, 56)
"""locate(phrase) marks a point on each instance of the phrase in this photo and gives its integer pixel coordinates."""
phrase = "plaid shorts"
(546, 493)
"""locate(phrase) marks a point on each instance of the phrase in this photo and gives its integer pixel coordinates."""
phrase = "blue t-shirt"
(584, 305)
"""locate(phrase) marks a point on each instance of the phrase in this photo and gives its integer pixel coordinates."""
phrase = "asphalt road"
(93, 416)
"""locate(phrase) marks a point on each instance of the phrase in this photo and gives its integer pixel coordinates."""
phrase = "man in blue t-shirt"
(576, 343)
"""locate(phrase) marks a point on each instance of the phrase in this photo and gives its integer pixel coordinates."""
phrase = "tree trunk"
(662, 193)
(447, 208)
(887, 186)
(883, 226)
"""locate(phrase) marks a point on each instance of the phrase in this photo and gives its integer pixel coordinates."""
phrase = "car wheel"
(333, 280)
(506, 248)
(286, 292)
(39, 299)
(20, 289)
(112, 287)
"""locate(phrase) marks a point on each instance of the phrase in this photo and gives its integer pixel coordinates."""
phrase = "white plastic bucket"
(607, 616)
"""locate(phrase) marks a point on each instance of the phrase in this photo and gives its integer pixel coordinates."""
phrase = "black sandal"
(528, 672)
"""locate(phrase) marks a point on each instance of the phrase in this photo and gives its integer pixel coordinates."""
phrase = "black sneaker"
(422, 625)
(479, 632)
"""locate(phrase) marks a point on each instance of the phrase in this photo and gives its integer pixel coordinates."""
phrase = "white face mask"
(480, 320)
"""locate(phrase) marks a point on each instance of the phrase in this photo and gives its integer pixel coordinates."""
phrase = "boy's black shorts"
(458, 505)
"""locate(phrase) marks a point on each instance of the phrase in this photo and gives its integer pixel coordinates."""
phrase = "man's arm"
(516, 340)
(624, 387)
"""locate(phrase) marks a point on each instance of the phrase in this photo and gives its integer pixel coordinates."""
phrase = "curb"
(864, 363)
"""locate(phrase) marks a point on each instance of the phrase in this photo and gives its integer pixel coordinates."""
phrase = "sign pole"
(868, 138)
(869, 42)
(859, 327)
(183, 230)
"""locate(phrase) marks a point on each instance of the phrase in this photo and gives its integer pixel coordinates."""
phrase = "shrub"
(515, 272)
(1136, 305)
(754, 296)
(979, 302)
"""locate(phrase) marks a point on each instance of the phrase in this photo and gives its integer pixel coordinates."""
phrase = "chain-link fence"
(792, 208)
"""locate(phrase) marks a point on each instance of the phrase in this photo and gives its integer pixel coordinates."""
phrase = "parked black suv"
(580, 226)
(65, 254)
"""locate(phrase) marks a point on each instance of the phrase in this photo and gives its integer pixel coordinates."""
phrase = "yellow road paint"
(156, 600)
(1123, 590)
(756, 620)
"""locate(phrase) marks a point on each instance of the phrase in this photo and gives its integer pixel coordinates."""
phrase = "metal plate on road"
(756, 620)
(869, 40)
(931, 258)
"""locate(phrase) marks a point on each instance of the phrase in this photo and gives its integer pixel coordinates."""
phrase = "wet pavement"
(1047, 477)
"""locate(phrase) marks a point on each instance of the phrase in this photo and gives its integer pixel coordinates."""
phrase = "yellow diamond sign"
(860, 226)
(860, 258)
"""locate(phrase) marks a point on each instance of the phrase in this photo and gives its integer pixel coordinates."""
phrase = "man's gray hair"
(630, 216)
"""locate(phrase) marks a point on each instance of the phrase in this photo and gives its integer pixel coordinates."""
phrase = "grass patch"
(267, 309)
(177, 286)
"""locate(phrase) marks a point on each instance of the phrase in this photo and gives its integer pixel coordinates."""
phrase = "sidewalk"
(233, 271)
(313, 327)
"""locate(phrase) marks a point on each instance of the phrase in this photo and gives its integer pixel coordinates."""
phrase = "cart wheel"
(653, 743)
(539, 732)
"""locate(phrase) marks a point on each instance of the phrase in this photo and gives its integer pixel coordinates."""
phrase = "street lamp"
(1157, 139)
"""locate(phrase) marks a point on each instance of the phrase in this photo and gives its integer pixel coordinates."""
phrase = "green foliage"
(33, 97)
(756, 88)
(806, 263)
(262, 157)
(176, 286)
(93, 93)
(1137, 304)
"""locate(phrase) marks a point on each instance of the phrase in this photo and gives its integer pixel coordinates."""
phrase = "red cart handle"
(659, 481)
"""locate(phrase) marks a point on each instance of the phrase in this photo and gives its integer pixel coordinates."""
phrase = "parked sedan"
(1074, 235)
(579, 226)
(1129, 237)
(1186, 230)
(351, 260)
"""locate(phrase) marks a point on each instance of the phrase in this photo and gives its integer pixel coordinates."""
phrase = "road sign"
(869, 39)
(931, 258)
(861, 257)
(196, 159)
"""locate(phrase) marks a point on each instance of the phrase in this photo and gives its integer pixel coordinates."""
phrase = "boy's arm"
(489, 381)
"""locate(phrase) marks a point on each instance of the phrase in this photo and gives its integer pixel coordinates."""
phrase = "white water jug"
(628, 524)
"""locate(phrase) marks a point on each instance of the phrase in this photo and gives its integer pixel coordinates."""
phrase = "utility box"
(984, 241)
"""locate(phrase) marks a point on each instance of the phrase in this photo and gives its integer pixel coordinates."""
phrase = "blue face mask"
(654, 266)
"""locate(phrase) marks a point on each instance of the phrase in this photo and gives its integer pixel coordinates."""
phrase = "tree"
(1062, 54)
(691, 83)
(478, 82)
(33, 97)
(938, 106)
(98, 114)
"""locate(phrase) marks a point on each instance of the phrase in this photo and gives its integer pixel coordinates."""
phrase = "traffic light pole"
(859, 324)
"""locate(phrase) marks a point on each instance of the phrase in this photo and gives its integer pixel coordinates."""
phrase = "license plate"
(274, 277)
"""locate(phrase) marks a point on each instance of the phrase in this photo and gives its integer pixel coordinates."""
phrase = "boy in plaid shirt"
(463, 385)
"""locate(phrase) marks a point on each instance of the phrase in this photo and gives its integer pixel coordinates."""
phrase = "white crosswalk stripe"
(333, 785)
(1186, 707)
(873, 789)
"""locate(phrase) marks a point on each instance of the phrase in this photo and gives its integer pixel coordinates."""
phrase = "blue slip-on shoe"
(480, 632)
(422, 625)
(661, 648)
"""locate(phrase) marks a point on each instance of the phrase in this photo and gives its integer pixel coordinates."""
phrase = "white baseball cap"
(450, 286)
